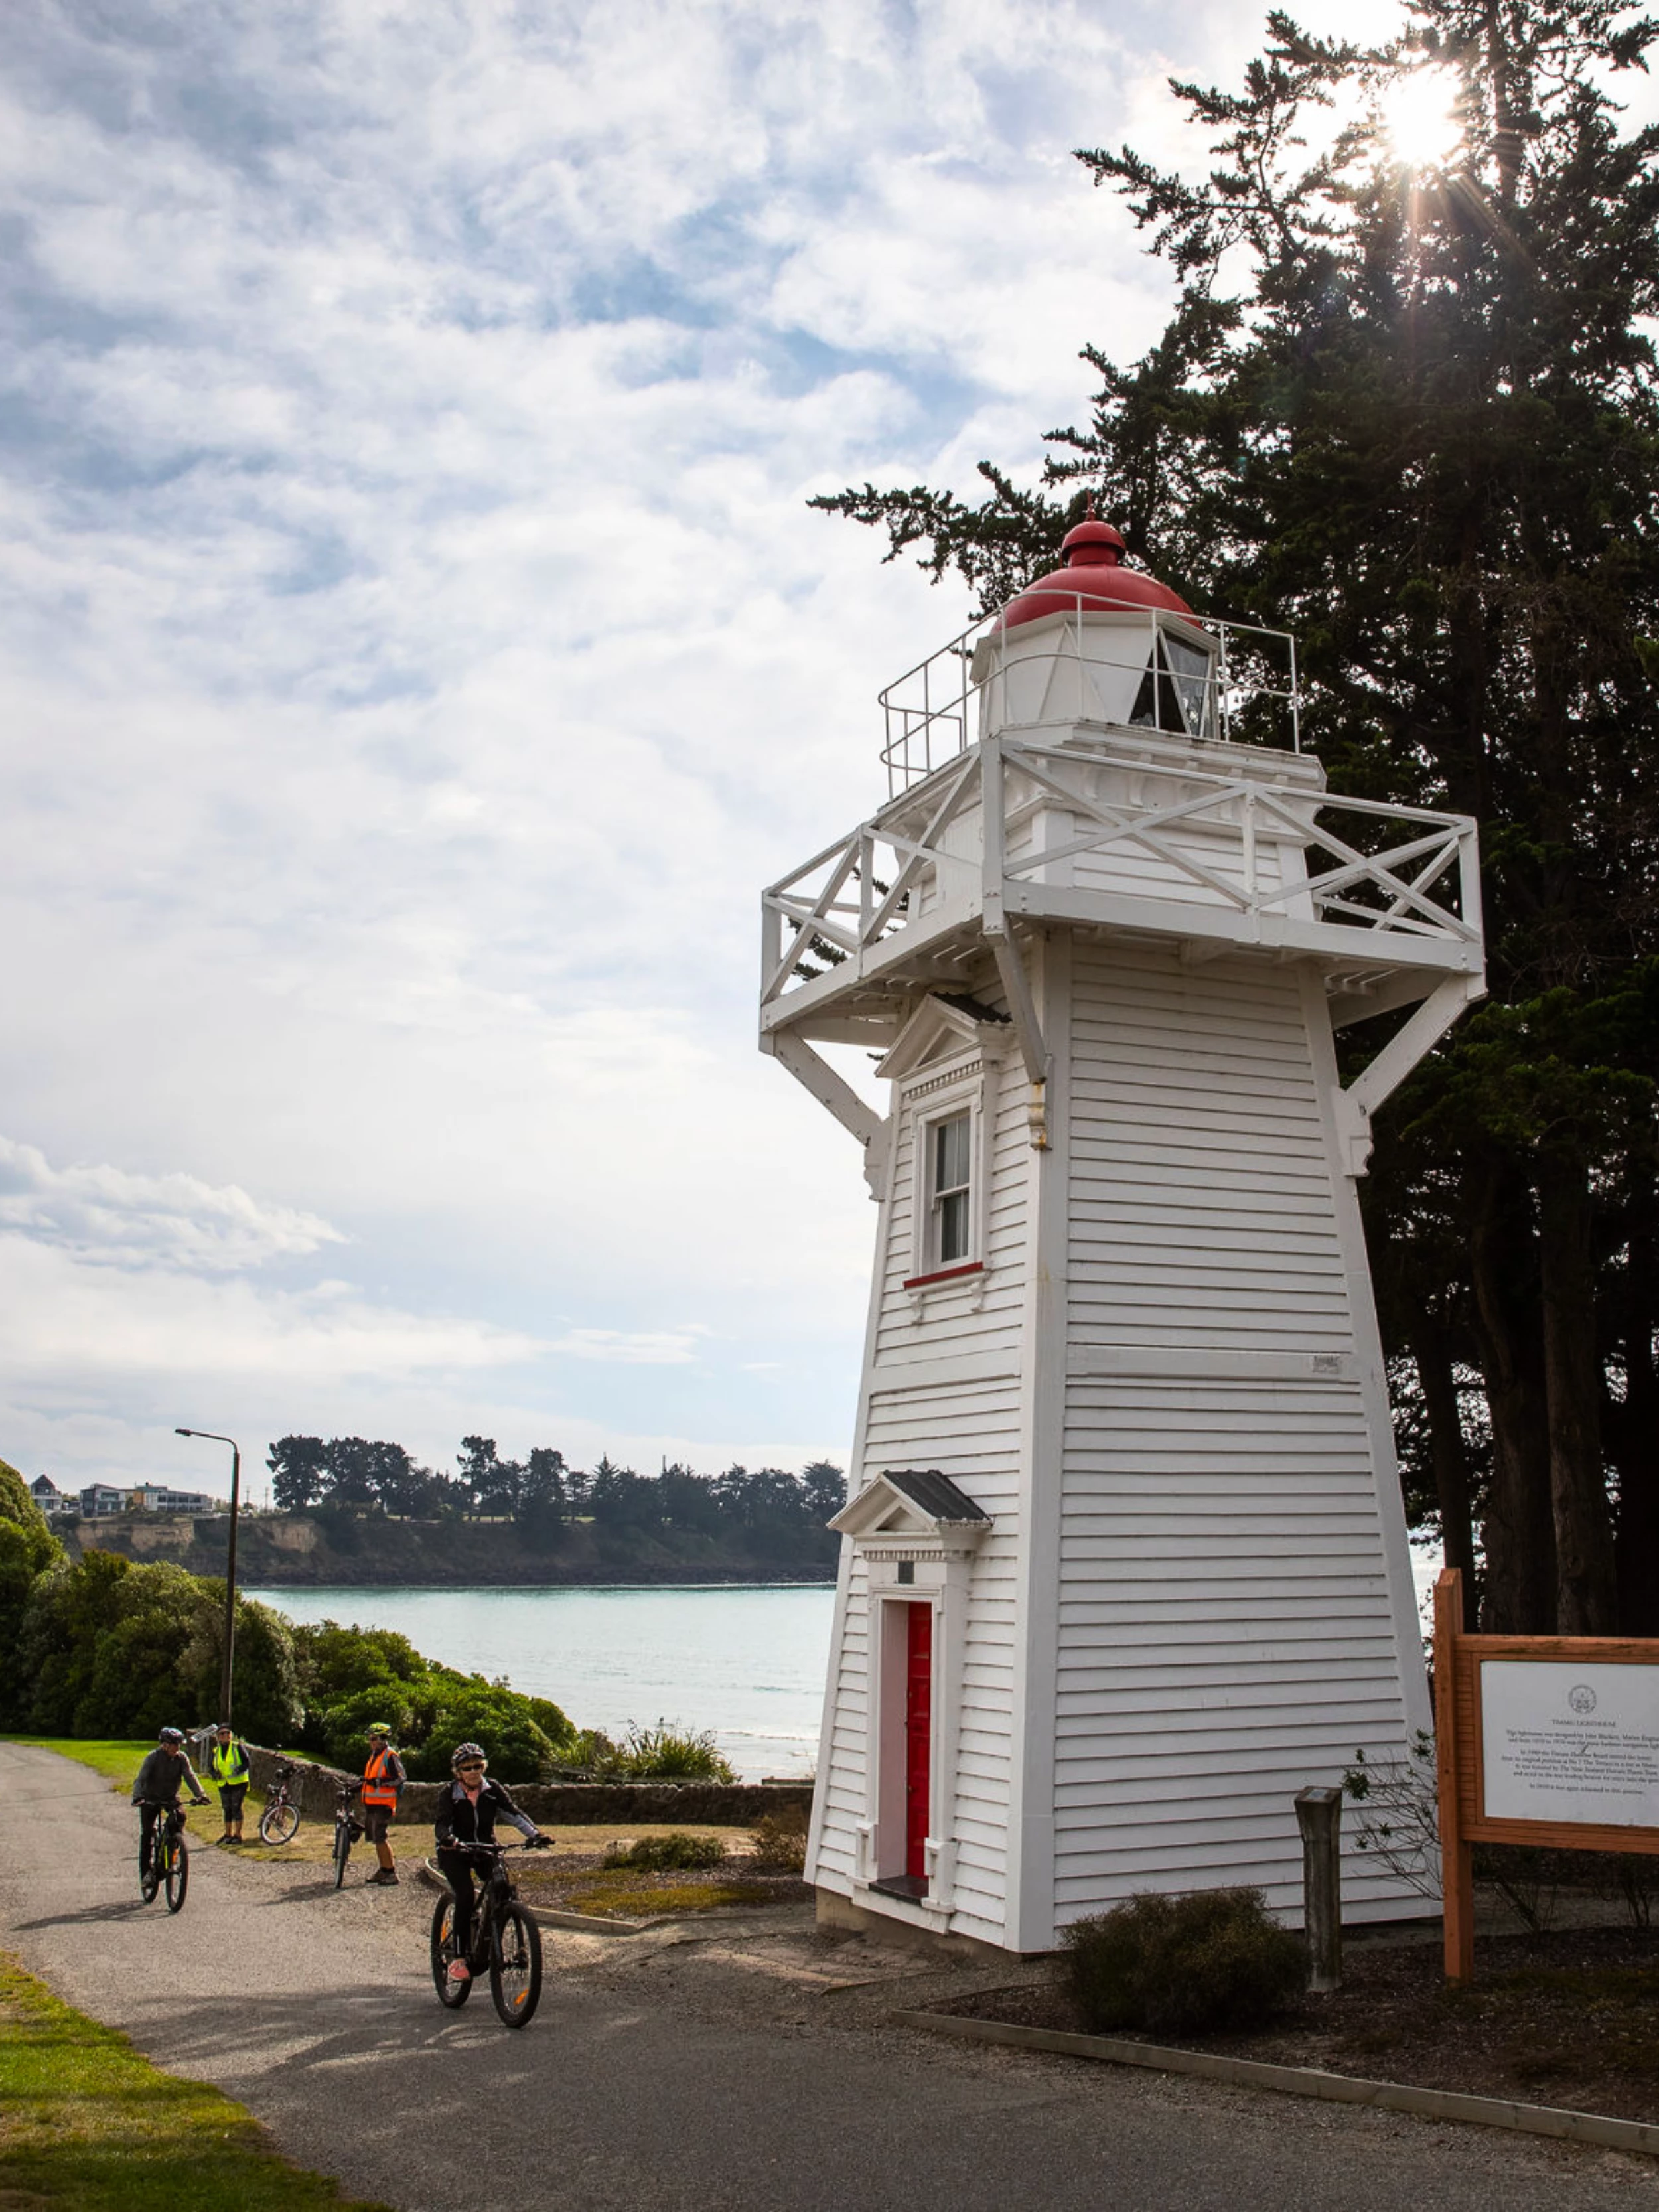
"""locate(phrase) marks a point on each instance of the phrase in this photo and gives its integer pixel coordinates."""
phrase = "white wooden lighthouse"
(1124, 1564)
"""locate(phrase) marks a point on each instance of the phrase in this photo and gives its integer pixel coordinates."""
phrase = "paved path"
(738, 2071)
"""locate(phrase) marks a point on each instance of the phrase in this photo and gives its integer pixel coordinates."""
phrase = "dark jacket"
(460, 1821)
(160, 1775)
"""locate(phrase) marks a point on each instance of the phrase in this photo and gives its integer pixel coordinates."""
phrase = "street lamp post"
(230, 1560)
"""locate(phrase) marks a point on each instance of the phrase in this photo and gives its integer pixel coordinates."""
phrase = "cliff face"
(294, 1551)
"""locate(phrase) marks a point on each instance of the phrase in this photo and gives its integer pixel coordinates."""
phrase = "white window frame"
(944, 1096)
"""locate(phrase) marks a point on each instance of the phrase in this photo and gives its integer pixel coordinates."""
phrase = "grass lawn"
(85, 2122)
(119, 1762)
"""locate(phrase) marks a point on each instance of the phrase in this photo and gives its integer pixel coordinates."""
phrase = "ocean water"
(745, 1662)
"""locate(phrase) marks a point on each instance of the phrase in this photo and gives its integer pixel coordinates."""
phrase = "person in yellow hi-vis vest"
(383, 1783)
(230, 1773)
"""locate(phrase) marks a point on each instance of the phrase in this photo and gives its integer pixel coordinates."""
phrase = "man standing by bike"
(231, 1776)
(383, 1783)
(156, 1789)
(467, 1813)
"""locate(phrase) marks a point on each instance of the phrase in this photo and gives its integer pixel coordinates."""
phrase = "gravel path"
(738, 2067)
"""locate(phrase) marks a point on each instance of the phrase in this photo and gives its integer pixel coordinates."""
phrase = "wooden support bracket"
(860, 1119)
(1409, 1044)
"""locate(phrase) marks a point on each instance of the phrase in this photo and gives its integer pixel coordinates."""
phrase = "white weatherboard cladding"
(960, 1414)
(1229, 1630)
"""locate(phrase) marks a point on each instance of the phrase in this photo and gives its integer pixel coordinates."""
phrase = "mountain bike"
(169, 1860)
(504, 1938)
(280, 1821)
(347, 1828)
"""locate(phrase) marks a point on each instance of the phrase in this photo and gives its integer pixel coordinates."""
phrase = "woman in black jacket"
(467, 1813)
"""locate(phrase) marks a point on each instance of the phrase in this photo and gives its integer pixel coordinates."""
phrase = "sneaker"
(460, 1971)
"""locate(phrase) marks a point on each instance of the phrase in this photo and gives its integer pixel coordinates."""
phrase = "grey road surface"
(737, 2069)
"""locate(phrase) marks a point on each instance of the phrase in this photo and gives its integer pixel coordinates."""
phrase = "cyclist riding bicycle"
(467, 1813)
(157, 1788)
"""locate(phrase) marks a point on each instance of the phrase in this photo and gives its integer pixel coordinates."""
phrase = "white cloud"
(660, 1348)
(103, 1214)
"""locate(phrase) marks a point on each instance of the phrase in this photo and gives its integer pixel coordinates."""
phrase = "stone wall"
(587, 1804)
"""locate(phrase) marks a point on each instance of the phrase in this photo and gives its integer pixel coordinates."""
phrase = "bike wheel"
(177, 1877)
(515, 1965)
(149, 1880)
(453, 1994)
(341, 1852)
(279, 1823)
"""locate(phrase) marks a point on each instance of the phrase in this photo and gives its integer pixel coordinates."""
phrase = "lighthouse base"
(836, 1910)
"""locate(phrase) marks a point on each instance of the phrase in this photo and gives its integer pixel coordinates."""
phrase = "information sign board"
(1569, 1743)
(1540, 1740)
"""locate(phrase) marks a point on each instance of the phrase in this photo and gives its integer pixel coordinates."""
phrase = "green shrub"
(116, 1650)
(466, 1708)
(27, 1549)
(779, 1841)
(666, 1753)
(1177, 1965)
(335, 1662)
(340, 1731)
(657, 1854)
(355, 1676)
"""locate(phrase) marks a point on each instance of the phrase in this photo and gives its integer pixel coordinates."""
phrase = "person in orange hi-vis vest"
(383, 1783)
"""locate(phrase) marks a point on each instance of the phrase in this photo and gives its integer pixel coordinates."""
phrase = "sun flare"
(1421, 118)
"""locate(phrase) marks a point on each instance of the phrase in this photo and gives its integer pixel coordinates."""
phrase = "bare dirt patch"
(1568, 2018)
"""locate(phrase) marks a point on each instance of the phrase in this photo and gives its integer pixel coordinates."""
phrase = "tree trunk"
(1586, 1599)
(1450, 1455)
(1518, 1594)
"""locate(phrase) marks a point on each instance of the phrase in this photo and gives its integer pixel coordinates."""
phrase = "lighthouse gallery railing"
(1250, 693)
(1416, 895)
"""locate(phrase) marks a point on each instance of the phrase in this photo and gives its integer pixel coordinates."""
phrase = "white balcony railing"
(1227, 855)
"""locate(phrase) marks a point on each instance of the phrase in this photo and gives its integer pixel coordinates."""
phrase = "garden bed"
(1567, 2018)
(577, 1881)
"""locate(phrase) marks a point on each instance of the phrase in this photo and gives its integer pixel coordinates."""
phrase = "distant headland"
(355, 1512)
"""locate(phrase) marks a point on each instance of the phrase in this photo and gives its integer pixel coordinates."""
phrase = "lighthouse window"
(1175, 691)
(1190, 670)
(951, 1147)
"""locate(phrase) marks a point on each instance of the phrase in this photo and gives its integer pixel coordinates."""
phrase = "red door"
(918, 1736)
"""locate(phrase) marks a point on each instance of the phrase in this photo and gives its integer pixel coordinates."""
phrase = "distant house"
(102, 1497)
(156, 1497)
(50, 1498)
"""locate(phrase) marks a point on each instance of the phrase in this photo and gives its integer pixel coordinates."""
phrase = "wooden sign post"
(1543, 1740)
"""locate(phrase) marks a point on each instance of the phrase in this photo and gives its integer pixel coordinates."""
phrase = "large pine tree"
(1410, 412)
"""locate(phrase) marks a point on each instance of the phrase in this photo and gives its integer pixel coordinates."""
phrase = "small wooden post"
(1319, 1816)
(1456, 1862)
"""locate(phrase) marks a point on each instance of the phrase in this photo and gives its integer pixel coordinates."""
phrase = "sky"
(418, 654)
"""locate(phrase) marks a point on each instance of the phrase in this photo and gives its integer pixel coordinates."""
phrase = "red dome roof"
(1093, 576)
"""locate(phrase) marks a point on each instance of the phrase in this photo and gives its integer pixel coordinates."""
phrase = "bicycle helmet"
(170, 1736)
(379, 1728)
(464, 1751)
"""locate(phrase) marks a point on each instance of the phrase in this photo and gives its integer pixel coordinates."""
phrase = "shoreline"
(333, 1551)
(247, 1587)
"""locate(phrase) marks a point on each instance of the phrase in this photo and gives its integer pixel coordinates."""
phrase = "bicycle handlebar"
(540, 1843)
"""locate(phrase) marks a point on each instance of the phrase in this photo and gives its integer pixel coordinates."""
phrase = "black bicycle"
(347, 1828)
(169, 1864)
(280, 1821)
(505, 1939)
